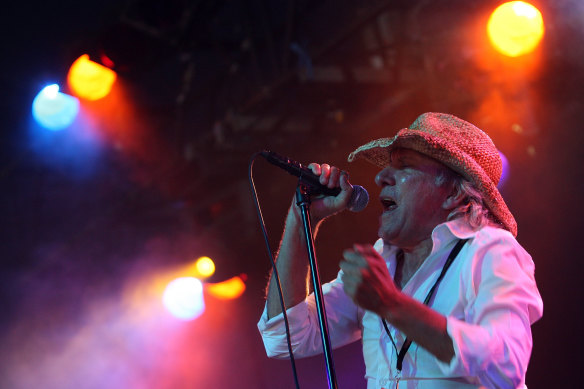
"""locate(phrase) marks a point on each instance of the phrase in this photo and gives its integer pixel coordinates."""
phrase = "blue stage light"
(54, 110)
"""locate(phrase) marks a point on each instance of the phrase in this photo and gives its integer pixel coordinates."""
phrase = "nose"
(385, 177)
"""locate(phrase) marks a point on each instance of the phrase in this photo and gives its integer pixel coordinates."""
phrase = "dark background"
(96, 217)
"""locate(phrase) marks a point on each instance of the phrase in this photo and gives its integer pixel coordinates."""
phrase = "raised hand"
(366, 279)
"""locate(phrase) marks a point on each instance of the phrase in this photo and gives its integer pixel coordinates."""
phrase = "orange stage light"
(90, 80)
(229, 289)
(515, 28)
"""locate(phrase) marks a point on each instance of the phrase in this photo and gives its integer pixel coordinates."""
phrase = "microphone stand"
(303, 201)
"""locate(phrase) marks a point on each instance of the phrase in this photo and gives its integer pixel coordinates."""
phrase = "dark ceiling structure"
(210, 83)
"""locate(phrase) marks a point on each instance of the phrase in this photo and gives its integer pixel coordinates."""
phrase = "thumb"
(346, 189)
(344, 181)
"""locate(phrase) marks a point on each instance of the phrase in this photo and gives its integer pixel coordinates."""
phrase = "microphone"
(359, 198)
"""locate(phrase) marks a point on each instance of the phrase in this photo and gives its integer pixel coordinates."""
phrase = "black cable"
(277, 277)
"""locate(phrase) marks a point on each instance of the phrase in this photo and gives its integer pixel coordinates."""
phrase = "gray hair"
(473, 207)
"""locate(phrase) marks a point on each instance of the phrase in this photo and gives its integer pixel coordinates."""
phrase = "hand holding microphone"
(326, 180)
(333, 178)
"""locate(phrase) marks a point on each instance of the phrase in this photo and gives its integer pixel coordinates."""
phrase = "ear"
(454, 200)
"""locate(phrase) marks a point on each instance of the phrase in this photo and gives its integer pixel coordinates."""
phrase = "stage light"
(202, 268)
(505, 172)
(229, 289)
(205, 267)
(515, 28)
(183, 298)
(54, 110)
(90, 80)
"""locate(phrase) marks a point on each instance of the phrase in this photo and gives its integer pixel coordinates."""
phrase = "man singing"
(446, 297)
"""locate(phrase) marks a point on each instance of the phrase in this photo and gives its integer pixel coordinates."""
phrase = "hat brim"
(377, 152)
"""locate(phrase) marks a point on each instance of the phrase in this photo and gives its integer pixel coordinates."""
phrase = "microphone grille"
(359, 199)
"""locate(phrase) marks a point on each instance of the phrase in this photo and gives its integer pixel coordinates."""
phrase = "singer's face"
(413, 195)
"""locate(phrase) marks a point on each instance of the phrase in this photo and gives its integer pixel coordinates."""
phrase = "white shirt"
(489, 297)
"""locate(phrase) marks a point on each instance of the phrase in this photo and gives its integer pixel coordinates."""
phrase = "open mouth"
(388, 204)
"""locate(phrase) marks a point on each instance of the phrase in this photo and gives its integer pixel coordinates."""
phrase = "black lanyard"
(408, 342)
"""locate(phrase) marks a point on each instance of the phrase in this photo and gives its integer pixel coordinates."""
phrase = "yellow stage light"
(205, 267)
(515, 28)
(229, 289)
(90, 80)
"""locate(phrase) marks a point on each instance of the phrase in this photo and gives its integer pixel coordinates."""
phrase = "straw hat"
(457, 144)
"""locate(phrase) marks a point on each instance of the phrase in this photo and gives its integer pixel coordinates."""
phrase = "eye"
(402, 164)
(396, 162)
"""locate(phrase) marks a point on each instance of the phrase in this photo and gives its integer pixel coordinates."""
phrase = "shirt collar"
(457, 228)
(442, 234)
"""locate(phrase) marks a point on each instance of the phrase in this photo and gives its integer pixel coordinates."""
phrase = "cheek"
(424, 196)
(432, 202)
(403, 180)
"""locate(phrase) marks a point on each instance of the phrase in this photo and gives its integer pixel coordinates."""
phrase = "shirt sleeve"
(493, 342)
(342, 316)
